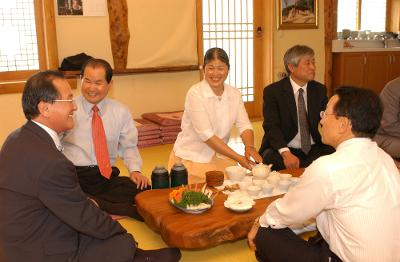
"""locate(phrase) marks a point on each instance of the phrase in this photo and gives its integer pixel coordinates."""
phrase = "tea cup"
(273, 179)
(284, 185)
(258, 182)
(284, 176)
(294, 181)
(253, 190)
(267, 188)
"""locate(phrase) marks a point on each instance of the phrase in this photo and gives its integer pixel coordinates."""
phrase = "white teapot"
(261, 170)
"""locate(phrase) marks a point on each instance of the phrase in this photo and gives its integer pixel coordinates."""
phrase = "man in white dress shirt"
(116, 193)
(354, 193)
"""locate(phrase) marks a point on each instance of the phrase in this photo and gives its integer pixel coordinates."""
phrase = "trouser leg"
(283, 245)
(120, 247)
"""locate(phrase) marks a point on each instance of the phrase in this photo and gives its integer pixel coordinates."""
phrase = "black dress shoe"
(157, 255)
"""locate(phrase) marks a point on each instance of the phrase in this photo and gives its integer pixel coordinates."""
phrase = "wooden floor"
(229, 252)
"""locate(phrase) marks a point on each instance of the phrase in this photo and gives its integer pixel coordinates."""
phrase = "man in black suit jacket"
(282, 141)
(44, 215)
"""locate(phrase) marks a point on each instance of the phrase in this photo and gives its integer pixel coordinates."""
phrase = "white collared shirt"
(296, 141)
(53, 134)
(354, 194)
(207, 115)
(120, 131)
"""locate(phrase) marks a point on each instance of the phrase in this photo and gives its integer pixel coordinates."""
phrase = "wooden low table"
(209, 229)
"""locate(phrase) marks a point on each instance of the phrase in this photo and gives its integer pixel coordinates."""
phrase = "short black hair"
(97, 62)
(216, 53)
(39, 87)
(362, 107)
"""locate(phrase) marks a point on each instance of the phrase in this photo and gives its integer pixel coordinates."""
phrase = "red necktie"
(100, 144)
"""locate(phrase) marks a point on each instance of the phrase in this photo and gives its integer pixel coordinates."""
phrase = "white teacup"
(273, 179)
(244, 185)
(253, 190)
(258, 182)
(294, 180)
(267, 188)
(284, 185)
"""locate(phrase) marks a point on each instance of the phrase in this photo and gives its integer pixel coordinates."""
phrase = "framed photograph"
(69, 7)
(297, 14)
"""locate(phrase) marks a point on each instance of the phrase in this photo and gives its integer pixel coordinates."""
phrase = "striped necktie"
(303, 122)
(100, 144)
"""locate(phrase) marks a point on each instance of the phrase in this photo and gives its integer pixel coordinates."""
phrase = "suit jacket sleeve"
(272, 120)
(59, 190)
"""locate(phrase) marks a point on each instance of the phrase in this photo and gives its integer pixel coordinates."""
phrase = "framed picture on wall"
(69, 7)
(81, 8)
(297, 14)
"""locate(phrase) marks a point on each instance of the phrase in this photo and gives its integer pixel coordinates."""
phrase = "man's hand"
(291, 161)
(140, 180)
(252, 235)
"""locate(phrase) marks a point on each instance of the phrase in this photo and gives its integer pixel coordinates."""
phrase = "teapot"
(261, 170)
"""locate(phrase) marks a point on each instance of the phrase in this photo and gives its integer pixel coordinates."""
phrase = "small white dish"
(239, 203)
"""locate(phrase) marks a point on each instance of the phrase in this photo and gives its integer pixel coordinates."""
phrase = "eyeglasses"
(322, 114)
(64, 100)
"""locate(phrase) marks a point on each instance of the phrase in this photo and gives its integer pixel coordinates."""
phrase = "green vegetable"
(193, 198)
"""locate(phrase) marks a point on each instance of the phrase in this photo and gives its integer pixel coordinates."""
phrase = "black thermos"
(159, 178)
(179, 175)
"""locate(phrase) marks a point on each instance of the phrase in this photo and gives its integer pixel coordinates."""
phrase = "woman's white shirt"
(207, 115)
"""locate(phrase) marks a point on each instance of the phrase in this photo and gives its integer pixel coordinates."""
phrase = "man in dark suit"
(44, 215)
(291, 112)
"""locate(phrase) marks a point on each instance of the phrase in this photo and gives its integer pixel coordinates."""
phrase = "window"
(17, 25)
(229, 25)
(361, 15)
(29, 29)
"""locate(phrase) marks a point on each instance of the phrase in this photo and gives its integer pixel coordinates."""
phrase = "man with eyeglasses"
(291, 114)
(104, 131)
(354, 193)
(44, 215)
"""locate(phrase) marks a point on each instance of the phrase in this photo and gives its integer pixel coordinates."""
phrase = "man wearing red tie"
(104, 131)
(44, 214)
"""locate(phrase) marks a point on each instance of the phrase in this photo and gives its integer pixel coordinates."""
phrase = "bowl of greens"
(191, 201)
